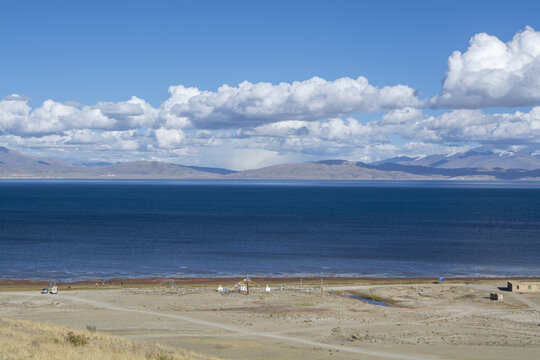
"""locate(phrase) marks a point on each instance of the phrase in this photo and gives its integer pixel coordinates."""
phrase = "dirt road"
(236, 329)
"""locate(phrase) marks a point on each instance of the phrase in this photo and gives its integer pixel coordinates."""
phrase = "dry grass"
(22, 339)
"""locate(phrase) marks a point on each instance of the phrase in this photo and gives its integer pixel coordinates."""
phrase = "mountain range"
(479, 165)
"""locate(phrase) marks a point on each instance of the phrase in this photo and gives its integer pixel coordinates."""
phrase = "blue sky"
(108, 51)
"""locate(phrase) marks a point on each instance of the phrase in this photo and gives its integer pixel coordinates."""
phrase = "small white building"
(524, 286)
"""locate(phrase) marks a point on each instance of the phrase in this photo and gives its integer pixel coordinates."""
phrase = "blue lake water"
(67, 230)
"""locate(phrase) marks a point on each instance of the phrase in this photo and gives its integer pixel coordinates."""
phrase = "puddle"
(368, 300)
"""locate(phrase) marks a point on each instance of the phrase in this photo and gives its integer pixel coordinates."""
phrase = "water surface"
(98, 229)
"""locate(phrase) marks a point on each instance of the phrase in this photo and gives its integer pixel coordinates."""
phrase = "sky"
(245, 84)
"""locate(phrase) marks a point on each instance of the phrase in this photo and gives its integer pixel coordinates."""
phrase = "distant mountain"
(349, 170)
(472, 159)
(16, 165)
(213, 170)
(396, 160)
(466, 166)
(93, 163)
(14, 158)
(458, 173)
(327, 169)
(155, 170)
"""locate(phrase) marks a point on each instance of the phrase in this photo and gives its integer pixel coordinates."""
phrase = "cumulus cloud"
(493, 73)
(120, 110)
(104, 140)
(401, 116)
(471, 125)
(17, 117)
(457, 129)
(249, 105)
(333, 129)
(75, 143)
(131, 114)
(168, 138)
(246, 105)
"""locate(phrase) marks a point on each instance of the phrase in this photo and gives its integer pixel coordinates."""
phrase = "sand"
(425, 320)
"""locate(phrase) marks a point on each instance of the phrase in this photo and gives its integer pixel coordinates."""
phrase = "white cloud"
(85, 142)
(73, 103)
(475, 126)
(169, 138)
(178, 95)
(235, 158)
(229, 107)
(132, 114)
(13, 113)
(338, 129)
(419, 134)
(493, 73)
(333, 129)
(15, 97)
(249, 105)
(17, 117)
(120, 110)
(105, 140)
(401, 116)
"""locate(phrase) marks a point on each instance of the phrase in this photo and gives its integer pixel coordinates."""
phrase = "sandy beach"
(424, 320)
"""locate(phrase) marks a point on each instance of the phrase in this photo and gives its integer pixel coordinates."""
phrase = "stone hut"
(524, 286)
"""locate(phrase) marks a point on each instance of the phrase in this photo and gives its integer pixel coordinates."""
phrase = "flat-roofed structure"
(524, 286)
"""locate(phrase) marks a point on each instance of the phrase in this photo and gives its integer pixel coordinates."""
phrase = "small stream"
(368, 300)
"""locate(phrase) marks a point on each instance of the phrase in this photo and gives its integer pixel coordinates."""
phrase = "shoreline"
(307, 281)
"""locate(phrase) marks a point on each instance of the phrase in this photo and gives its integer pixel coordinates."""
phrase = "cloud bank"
(255, 124)
(253, 104)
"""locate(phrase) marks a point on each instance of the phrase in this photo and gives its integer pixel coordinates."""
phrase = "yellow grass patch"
(23, 339)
